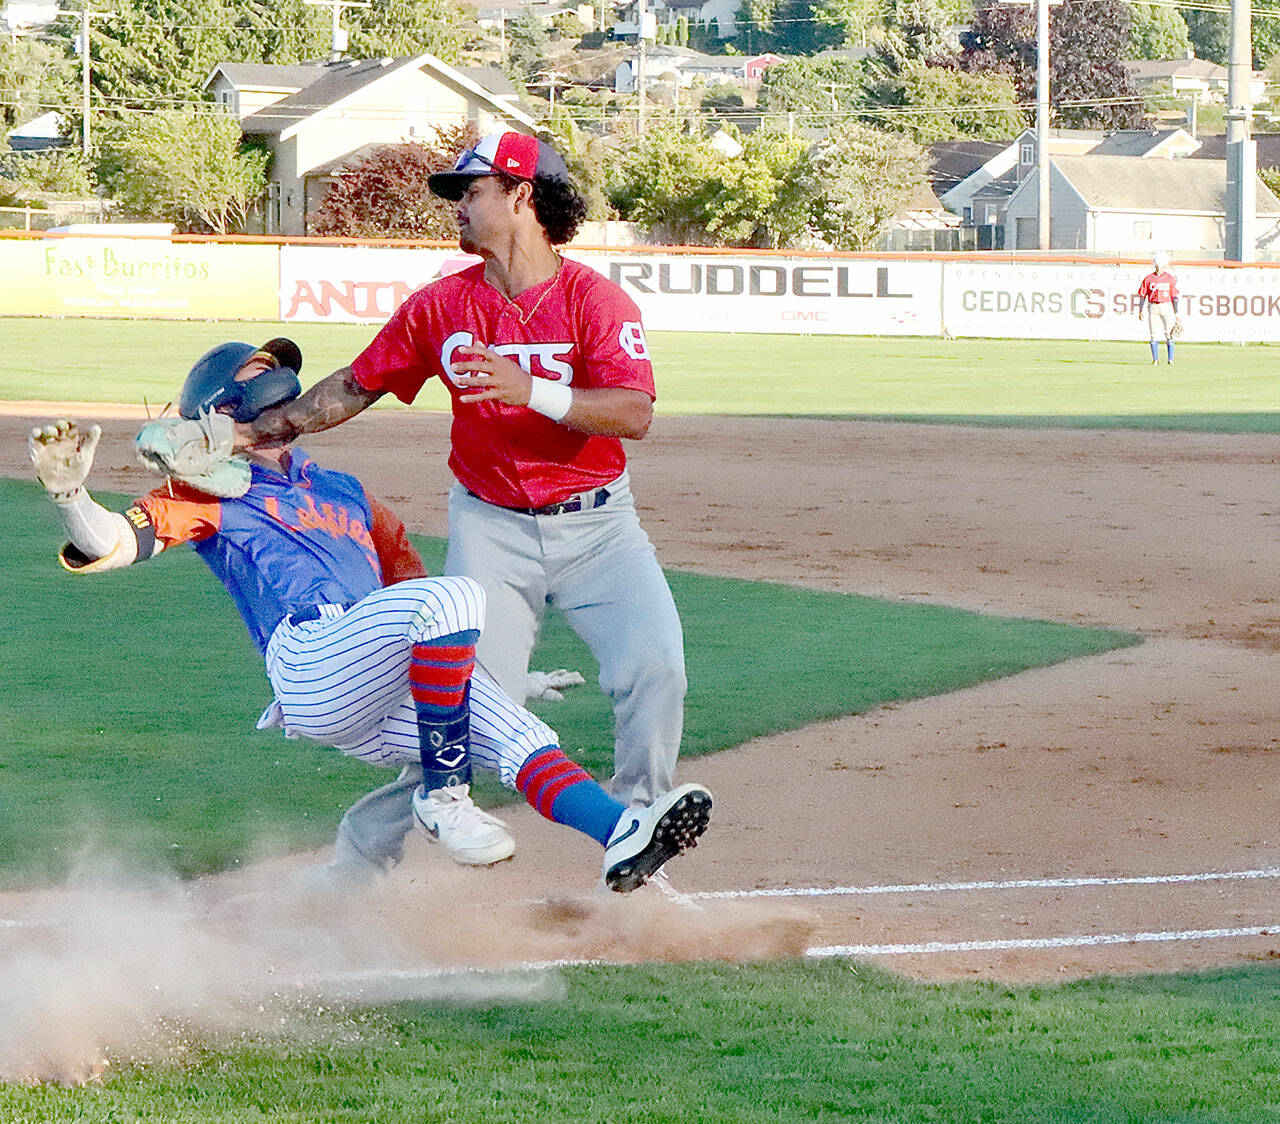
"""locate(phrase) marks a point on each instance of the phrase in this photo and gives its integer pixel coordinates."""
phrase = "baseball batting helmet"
(211, 383)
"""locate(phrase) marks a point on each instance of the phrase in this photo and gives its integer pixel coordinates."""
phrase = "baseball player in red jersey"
(363, 651)
(1158, 295)
(548, 369)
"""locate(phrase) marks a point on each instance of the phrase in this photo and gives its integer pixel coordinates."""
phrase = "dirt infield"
(1156, 760)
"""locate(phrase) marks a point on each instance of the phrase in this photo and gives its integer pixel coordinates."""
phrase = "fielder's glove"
(63, 455)
(543, 684)
(198, 452)
(1176, 330)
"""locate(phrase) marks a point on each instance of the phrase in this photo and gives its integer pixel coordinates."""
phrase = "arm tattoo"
(330, 402)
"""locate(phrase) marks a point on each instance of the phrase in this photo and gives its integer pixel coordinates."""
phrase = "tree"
(61, 172)
(681, 190)
(1089, 86)
(933, 103)
(912, 31)
(1092, 88)
(526, 46)
(784, 221)
(584, 154)
(1210, 35)
(858, 179)
(790, 27)
(1002, 39)
(816, 90)
(385, 195)
(401, 28)
(1157, 32)
(854, 19)
(34, 74)
(184, 166)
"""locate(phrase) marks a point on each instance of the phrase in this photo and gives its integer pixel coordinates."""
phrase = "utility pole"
(642, 16)
(1042, 124)
(1043, 210)
(338, 37)
(85, 17)
(1242, 160)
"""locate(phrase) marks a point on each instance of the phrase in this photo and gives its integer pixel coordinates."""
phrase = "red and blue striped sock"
(565, 793)
(439, 678)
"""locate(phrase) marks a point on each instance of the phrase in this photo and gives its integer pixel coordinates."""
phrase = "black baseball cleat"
(645, 838)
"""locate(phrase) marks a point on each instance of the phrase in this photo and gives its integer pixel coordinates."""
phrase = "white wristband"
(551, 399)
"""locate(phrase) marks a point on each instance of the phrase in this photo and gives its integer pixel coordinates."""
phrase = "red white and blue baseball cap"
(512, 154)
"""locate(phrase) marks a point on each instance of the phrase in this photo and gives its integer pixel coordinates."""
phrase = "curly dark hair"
(560, 207)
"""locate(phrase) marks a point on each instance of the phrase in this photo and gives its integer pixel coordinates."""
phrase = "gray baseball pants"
(599, 569)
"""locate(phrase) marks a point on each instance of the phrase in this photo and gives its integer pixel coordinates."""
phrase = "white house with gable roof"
(316, 117)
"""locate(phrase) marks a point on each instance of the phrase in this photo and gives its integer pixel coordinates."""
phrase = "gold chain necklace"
(525, 317)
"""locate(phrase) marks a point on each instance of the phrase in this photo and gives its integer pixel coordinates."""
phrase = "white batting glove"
(62, 453)
(543, 684)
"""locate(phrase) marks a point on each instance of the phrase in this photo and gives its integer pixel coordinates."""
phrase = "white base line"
(932, 947)
(392, 975)
(1014, 884)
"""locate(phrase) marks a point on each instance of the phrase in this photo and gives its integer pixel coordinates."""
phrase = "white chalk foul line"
(374, 977)
(1011, 884)
(929, 948)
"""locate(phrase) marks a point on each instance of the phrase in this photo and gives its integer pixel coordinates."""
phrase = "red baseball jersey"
(1158, 288)
(578, 328)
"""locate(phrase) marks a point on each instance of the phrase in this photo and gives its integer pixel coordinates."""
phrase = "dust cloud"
(121, 967)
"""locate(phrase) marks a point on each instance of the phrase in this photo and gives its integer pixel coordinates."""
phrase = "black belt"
(587, 501)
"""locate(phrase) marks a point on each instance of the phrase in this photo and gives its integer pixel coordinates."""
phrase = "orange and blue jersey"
(294, 540)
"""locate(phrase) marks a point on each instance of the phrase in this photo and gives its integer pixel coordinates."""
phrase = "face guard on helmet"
(211, 383)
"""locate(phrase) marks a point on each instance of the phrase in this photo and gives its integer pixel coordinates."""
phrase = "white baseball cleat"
(645, 838)
(471, 836)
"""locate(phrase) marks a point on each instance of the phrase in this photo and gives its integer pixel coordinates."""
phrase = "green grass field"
(715, 1044)
(1212, 386)
(102, 725)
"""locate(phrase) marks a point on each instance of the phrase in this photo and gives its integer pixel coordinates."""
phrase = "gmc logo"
(722, 279)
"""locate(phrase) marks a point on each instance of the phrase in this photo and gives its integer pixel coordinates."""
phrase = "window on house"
(968, 216)
(1141, 230)
(993, 216)
(1028, 154)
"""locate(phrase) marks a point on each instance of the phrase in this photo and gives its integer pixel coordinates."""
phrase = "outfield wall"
(992, 296)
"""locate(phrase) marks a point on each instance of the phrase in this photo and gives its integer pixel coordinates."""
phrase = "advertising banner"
(356, 284)
(1100, 302)
(813, 296)
(706, 292)
(144, 278)
(675, 292)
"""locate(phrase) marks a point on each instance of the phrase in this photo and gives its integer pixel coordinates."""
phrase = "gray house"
(981, 196)
(1127, 204)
